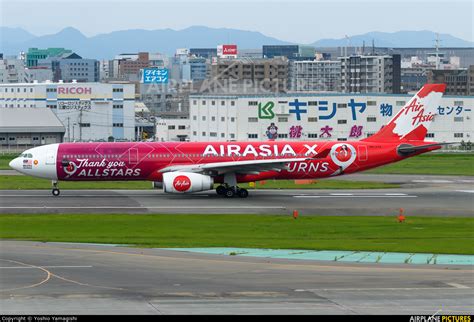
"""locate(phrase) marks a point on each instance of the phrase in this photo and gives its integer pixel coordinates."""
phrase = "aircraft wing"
(238, 167)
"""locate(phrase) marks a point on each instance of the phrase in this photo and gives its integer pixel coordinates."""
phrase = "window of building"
(312, 119)
(203, 118)
(342, 139)
(117, 106)
(118, 124)
(194, 133)
(181, 127)
(232, 119)
(222, 135)
(342, 105)
(458, 119)
(371, 103)
(117, 90)
(253, 119)
(222, 103)
(400, 103)
(171, 127)
(282, 119)
(252, 136)
(312, 135)
(253, 103)
(194, 102)
(458, 135)
(203, 102)
(222, 119)
(85, 125)
(213, 103)
(458, 103)
(203, 133)
(232, 136)
(194, 118)
(213, 134)
(312, 103)
(341, 121)
(371, 119)
(430, 135)
(282, 135)
(232, 103)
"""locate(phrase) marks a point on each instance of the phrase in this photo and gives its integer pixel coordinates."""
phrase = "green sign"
(265, 111)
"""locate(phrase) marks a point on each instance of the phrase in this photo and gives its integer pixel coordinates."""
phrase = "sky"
(301, 21)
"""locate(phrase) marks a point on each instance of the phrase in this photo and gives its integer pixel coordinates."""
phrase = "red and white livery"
(185, 167)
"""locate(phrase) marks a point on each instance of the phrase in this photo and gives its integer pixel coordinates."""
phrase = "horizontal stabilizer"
(405, 149)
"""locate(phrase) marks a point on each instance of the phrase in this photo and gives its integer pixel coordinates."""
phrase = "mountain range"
(107, 45)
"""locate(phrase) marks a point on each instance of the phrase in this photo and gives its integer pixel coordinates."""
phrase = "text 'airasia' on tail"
(413, 121)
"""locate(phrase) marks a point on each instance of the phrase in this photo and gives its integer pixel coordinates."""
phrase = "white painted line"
(467, 191)
(341, 194)
(432, 181)
(384, 288)
(7, 267)
(466, 181)
(395, 194)
(456, 285)
(355, 196)
(151, 207)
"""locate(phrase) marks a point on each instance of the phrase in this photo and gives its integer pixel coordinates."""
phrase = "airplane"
(187, 167)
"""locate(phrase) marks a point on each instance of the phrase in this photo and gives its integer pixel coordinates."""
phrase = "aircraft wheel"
(55, 192)
(221, 190)
(230, 193)
(243, 193)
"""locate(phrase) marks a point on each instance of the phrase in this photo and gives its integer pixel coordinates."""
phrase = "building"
(413, 78)
(35, 54)
(203, 52)
(370, 74)
(176, 129)
(458, 81)
(249, 75)
(325, 116)
(88, 111)
(12, 70)
(313, 75)
(29, 126)
(69, 67)
(296, 52)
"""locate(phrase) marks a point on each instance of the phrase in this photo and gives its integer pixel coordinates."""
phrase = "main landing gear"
(230, 192)
(55, 190)
(230, 189)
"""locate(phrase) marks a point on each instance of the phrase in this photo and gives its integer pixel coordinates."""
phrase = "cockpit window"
(26, 155)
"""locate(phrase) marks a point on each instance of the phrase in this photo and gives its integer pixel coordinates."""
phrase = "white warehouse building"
(309, 116)
(88, 111)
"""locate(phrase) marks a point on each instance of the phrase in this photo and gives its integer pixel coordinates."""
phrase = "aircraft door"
(133, 156)
(362, 153)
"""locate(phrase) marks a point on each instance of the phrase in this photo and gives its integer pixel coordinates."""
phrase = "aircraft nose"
(15, 164)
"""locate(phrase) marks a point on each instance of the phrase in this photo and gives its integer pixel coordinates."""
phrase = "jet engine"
(185, 182)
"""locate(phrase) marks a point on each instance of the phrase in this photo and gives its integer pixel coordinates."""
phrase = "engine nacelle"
(185, 182)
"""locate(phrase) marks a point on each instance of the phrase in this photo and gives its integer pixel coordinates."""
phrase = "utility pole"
(80, 125)
(68, 130)
(437, 50)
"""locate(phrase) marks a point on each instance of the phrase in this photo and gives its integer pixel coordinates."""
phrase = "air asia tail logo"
(181, 183)
(343, 154)
(419, 110)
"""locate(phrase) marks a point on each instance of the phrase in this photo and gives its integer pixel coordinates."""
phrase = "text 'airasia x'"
(184, 167)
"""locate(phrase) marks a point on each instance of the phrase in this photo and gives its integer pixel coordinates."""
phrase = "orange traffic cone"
(295, 214)
(401, 217)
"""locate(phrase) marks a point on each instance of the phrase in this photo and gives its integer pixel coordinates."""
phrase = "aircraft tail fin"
(413, 121)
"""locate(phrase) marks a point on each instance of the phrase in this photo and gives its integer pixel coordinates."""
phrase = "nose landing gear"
(55, 190)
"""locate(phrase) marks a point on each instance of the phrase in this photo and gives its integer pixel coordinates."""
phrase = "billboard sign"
(155, 76)
(227, 51)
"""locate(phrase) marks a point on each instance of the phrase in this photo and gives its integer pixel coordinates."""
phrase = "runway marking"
(16, 267)
(453, 287)
(141, 207)
(456, 285)
(358, 196)
(48, 276)
(342, 194)
(433, 181)
(466, 191)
